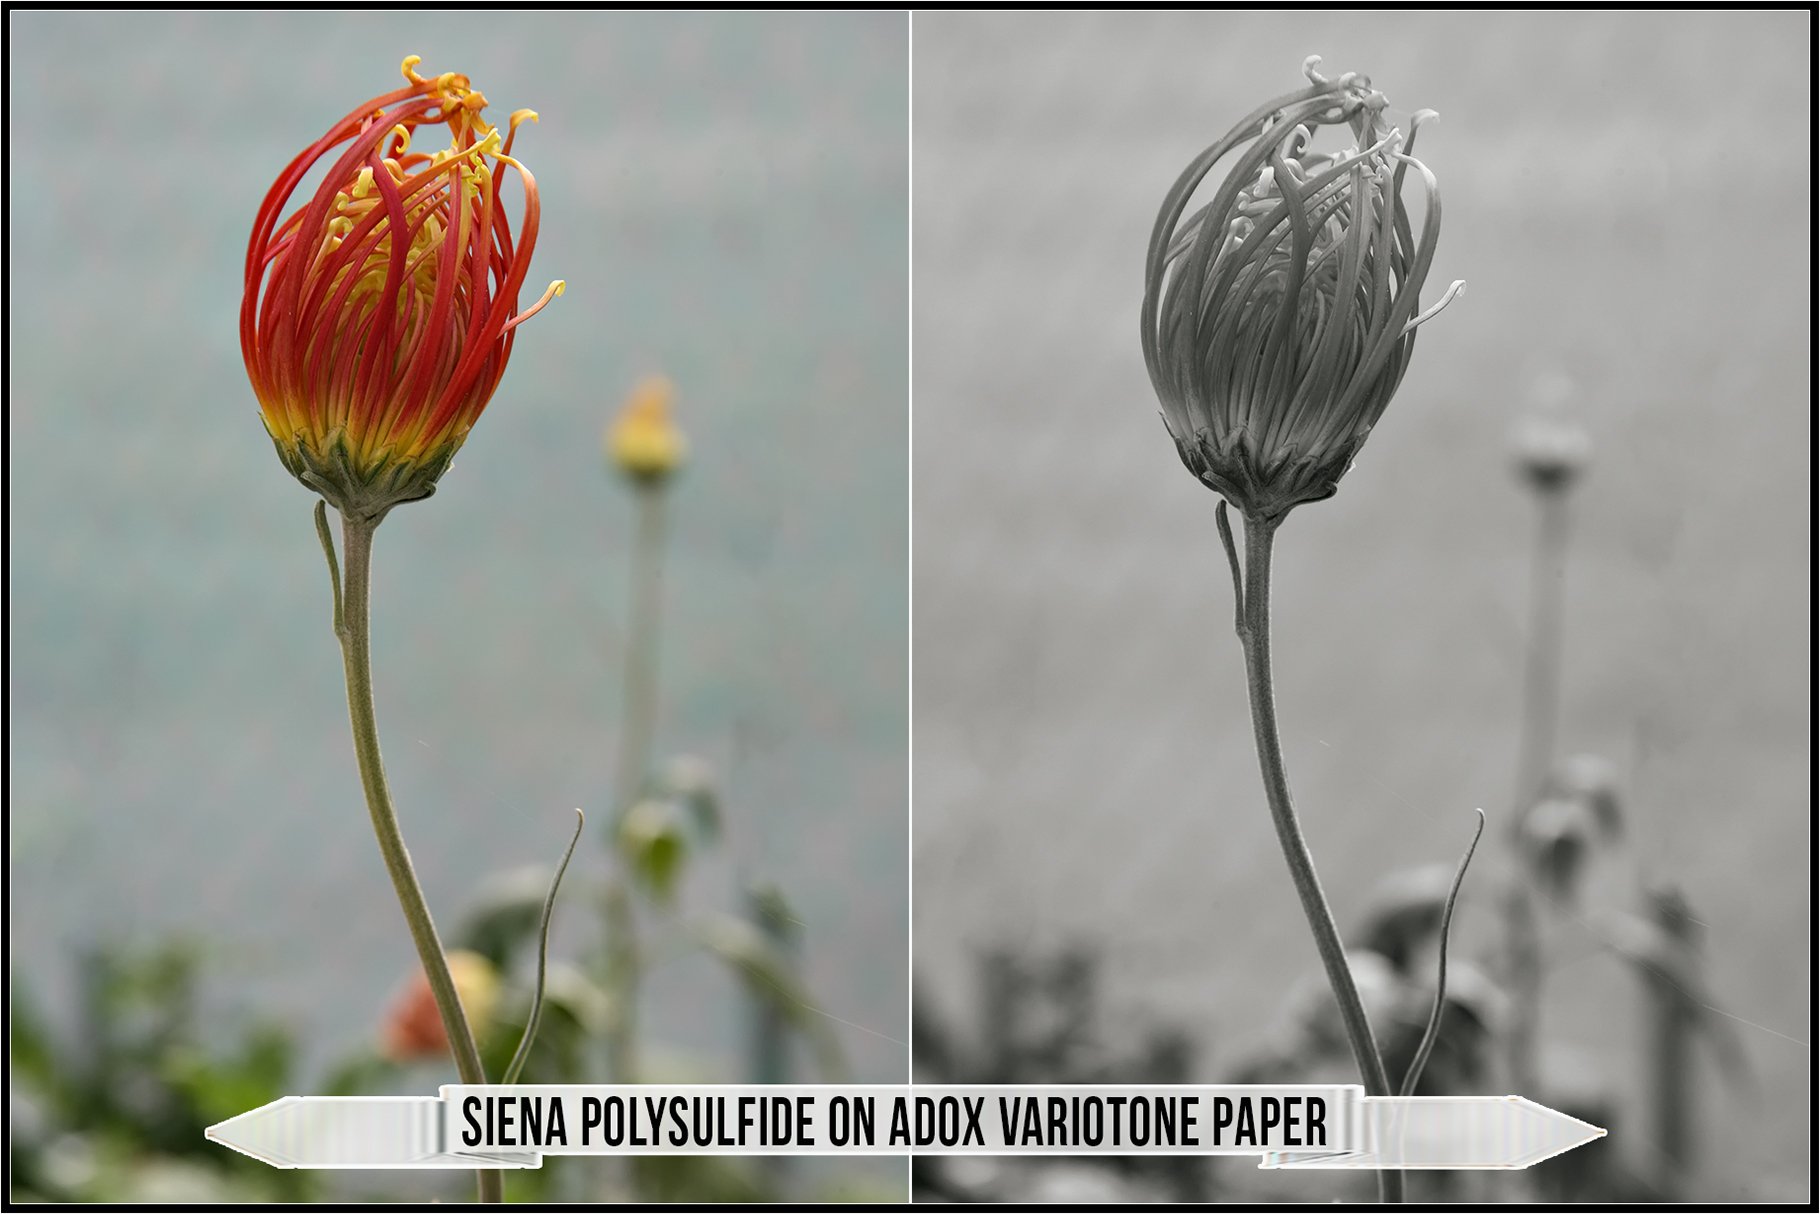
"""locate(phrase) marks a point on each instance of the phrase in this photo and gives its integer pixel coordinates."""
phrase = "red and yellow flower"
(379, 314)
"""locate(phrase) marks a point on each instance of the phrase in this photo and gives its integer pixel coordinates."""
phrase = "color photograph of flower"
(662, 578)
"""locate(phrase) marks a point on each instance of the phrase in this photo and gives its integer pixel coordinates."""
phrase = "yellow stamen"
(550, 292)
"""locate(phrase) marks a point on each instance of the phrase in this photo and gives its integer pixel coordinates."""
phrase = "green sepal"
(363, 496)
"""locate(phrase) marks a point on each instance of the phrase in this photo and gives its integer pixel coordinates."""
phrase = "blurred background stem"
(638, 727)
(1542, 674)
(623, 965)
(639, 709)
(1535, 757)
(1673, 1025)
(622, 957)
(768, 1027)
(351, 626)
(1253, 625)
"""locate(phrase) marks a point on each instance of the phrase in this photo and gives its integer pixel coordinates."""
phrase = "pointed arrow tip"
(240, 1133)
(1556, 1132)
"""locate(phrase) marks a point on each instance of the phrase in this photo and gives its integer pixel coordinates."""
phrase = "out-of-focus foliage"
(1039, 1019)
(110, 1103)
(678, 814)
(113, 1100)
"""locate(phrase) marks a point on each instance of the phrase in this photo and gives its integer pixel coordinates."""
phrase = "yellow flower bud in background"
(643, 440)
(413, 1029)
(477, 985)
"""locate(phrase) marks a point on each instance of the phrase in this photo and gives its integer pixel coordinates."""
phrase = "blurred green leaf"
(221, 1088)
(33, 1052)
(575, 1011)
(770, 975)
(119, 1108)
(363, 1072)
(690, 782)
(505, 915)
(697, 1180)
(654, 843)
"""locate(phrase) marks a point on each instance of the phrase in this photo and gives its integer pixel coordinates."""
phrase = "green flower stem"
(642, 639)
(624, 968)
(1254, 635)
(353, 593)
(622, 959)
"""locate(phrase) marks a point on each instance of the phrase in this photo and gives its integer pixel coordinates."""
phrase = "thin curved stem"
(1438, 1011)
(523, 1053)
(357, 543)
(1238, 570)
(1254, 634)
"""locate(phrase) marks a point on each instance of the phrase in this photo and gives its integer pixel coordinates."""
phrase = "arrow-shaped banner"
(1301, 1126)
(354, 1132)
(1450, 1132)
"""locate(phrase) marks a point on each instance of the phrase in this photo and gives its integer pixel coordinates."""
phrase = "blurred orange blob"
(413, 1030)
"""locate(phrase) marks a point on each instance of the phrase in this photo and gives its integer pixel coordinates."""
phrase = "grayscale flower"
(1279, 318)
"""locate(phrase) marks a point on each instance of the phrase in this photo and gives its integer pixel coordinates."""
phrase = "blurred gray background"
(1628, 199)
(727, 197)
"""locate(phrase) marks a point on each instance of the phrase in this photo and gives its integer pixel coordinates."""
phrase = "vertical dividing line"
(910, 568)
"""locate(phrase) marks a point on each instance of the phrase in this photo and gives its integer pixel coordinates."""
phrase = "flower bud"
(1551, 452)
(378, 315)
(643, 441)
(1279, 318)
